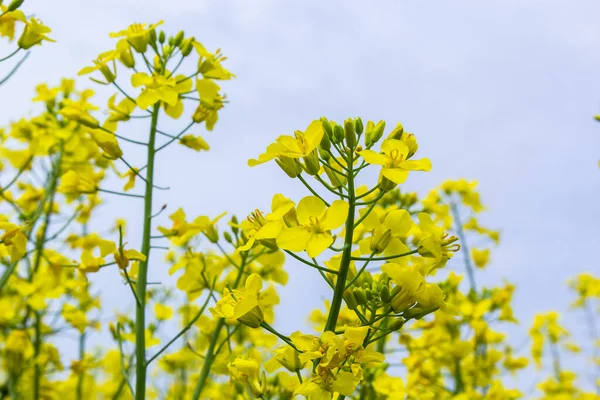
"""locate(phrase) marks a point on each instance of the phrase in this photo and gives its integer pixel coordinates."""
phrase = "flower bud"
(386, 185)
(358, 126)
(383, 278)
(107, 73)
(350, 133)
(252, 318)
(234, 225)
(227, 237)
(397, 132)
(385, 294)
(327, 127)
(360, 296)
(338, 134)
(161, 37)
(395, 291)
(335, 179)
(311, 163)
(325, 142)
(378, 131)
(369, 134)
(290, 218)
(152, 36)
(350, 299)
(324, 154)
(171, 41)
(380, 241)
(369, 294)
(126, 57)
(178, 38)
(14, 5)
(397, 324)
(212, 234)
(187, 46)
(411, 142)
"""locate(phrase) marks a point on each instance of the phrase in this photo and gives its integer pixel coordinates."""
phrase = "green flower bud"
(397, 324)
(385, 294)
(212, 234)
(383, 278)
(187, 46)
(178, 39)
(350, 133)
(360, 296)
(290, 218)
(411, 143)
(358, 126)
(386, 185)
(228, 237)
(338, 134)
(335, 179)
(325, 142)
(366, 275)
(252, 318)
(350, 299)
(378, 131)
(380, 241)
(161, 37)
(369, 294)
(369, 134)
(397, 132)
(152, 36)
(14, 5)
(327, 127)
(171, 41)
(311, 163)
(234, 225)
(395, 291)
(126, 57)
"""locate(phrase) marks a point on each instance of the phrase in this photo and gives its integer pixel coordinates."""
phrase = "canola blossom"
(400, 321)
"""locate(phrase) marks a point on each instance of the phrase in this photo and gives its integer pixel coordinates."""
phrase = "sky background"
(502, 92)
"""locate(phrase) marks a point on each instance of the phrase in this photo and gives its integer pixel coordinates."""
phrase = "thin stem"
(464, 246)
(122, 137)
(140, 314)
(312, 190)
(316, 266)
(11, 54)
(184, 330)
(176, 137)
(360, 271)
(79, 389)
(408, 253)
(121, 193)
(16, 67)
(286, 339)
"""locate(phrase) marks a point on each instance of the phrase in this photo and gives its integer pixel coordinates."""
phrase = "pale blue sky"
(503, 92)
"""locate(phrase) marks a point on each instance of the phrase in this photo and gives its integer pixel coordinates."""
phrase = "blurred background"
(502, 92)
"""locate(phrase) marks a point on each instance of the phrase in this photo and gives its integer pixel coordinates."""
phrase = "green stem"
(39, 248)
(312, 190)
(79, 392)
(340, 285)
(465, 248)
(210, 352)
(140, 309)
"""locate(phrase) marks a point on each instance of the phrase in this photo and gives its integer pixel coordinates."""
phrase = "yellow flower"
(394, 160)
(301, 145)
(13, 239)
(245, 304)
(194, 142)
(247, 371)
(138, 35)
(265, 228)
(162, 312)
(315, 222)
(481, 257)
(182, 85)
(287, 357)
(156, 88)
(396, 225)
(118, 112)
(33, 34)
(73, 183)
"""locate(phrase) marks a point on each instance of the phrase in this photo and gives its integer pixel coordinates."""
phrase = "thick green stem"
(140, 310)
(340, 284)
